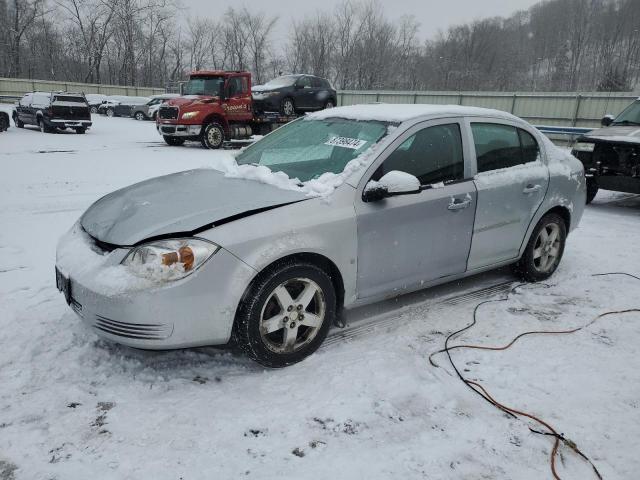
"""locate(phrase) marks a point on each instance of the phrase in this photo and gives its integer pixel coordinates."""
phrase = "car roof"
(399, 113)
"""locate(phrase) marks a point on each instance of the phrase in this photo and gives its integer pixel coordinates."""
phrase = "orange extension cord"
(480, 390)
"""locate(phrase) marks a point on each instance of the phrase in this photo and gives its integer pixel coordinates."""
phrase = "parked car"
(120, 106)
(4, 121)
(52, 111)
(611, 155)
(95, 100)
(422, 195)
(289, 94)
(149, 110)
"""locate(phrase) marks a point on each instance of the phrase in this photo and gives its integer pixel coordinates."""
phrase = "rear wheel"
(287, 107)
(173, 141)
(544, 251)
(140, 116)
(4, 122)
(94, 109)
(329, 104)
(212, 136)
(19, 123)
(286, 314)
(592, 189)
(110, 112)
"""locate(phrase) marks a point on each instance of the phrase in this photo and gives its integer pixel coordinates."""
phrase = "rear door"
(406, 241)
(512, 179)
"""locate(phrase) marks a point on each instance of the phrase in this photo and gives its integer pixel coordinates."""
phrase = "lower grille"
(138, 331)
(168, 129)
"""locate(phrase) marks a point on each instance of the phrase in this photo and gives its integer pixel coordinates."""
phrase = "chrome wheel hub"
(292, 315)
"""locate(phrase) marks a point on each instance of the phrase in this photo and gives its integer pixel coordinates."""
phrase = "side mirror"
(607, 120)
(393, 183)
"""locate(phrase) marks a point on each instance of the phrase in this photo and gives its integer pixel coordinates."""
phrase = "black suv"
(611, 155)
(51, 111)
(291, 94)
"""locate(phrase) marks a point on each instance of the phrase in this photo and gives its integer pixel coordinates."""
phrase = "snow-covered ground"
(367, 405)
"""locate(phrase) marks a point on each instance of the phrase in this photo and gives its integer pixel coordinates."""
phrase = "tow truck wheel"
(592, 189)
(287, 107)
(212, 136)
(94, 109)
(173, 141)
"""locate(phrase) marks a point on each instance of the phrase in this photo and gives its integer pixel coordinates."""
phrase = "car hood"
(180, 203)
(264, 88)
(189, 100)
(616, 133)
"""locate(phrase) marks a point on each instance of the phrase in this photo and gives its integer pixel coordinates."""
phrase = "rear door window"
(497, 146)
(433, 155)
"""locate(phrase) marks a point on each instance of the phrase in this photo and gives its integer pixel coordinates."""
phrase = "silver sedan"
(342, 208)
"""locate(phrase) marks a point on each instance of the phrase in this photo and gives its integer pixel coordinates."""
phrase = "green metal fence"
(16, 87)
(561, 109)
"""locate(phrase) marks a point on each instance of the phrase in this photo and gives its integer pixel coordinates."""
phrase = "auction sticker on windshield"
(346, 142)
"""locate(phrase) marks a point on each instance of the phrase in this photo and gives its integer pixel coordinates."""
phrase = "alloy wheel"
(546, 249)
(292, 315)
(287, 107)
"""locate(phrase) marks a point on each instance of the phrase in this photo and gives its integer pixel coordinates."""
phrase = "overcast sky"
(433, 15)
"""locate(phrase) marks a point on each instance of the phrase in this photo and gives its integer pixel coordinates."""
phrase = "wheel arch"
(217, 118)
(561, 210)
(316, 259)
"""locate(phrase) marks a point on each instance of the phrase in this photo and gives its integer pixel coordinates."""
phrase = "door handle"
(459, 205)
(530, 188)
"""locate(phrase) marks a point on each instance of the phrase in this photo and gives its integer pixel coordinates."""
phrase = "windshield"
(204, 86)
(305, 149)
(286, 81)
(630, 115)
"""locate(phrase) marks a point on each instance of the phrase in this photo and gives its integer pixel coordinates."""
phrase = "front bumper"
(266, 104)
(195, 311)
(174, 130)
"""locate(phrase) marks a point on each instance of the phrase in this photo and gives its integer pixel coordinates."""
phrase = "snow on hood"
(402, 112)
(177, 203)
(261, 88)
(615, 133)
(188, 100)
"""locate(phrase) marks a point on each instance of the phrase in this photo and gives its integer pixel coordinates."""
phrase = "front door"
(406, 241)
(512, 181)
(238, 102)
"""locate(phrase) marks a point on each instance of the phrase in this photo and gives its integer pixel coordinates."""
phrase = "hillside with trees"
(557, 45)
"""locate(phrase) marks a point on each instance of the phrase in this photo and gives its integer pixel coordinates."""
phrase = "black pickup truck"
(52, 111)
(611, 154)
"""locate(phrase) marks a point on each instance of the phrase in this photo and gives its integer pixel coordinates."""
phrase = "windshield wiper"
(626, 122)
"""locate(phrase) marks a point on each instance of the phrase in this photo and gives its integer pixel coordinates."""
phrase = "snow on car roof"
(403, 112)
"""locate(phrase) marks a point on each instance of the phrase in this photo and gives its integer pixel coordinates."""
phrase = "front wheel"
(173, 141)
(592, 189)
(110, 112)
(81, 130)
(43, 126)
(285, 314)
(19, 123)
(329, 104)
(140, 116)
(4, 122)
(94, 110)
(212, 136)
(544, 250)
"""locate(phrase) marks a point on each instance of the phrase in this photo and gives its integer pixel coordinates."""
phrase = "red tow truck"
(216, 109)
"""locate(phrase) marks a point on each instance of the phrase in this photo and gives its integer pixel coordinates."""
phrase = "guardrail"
(20, 86)
(562, 109)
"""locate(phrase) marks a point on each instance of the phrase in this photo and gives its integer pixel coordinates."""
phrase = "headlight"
(166, 260)
(584, 147)
(188, 115)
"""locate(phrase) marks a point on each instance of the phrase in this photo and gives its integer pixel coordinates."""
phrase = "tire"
(43, 126)
(110, 112)
(81, 130)
(329, 104)
(173, 141)
(287, 107)
(541, 258)
(4, 122)
(592, 189)
(297, 329)
(140, 116)
(94, 110)
(212, 136)
(19, 123)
